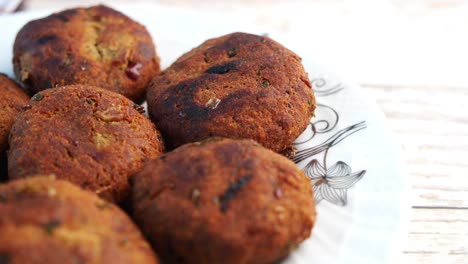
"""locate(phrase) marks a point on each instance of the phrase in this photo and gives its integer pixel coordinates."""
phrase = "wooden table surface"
(411, 57)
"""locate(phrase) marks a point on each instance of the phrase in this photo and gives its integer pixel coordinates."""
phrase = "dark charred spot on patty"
(46, 38)
(4, 258)
(222, 68)
(65, 15)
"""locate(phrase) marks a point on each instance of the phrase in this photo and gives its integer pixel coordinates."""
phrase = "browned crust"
(12, 98)
(92, 137)
(43, 220)
(95, 46)
(236, 86)
(223, 201)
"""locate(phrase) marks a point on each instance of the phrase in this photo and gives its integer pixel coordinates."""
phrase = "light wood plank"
(437, 236)
(428, 258)
(432, 125)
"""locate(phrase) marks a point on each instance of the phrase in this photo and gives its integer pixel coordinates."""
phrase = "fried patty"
(92, 137)
(12, 98)
(223, 201)
(95, 46)
(43, 220)
(235, 86)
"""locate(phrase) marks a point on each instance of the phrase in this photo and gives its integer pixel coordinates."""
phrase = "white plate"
(351, 157)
